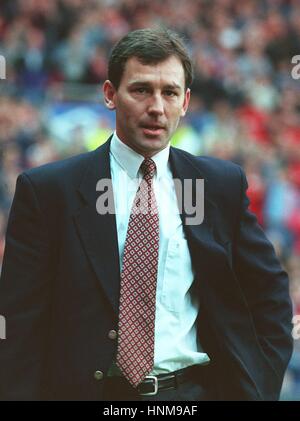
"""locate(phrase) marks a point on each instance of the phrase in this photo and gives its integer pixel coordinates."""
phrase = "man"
(112, 289)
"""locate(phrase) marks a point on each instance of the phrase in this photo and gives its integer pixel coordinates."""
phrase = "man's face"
(149, 103)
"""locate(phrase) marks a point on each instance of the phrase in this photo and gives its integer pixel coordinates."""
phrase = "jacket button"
(112, 334)
(98, 375)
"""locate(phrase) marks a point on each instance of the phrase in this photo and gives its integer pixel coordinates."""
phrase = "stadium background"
(245, 103)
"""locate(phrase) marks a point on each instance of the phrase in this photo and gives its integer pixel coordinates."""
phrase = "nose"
(156, 105)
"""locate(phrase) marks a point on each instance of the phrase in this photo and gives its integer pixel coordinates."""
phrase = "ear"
(187, 97)
(109, 92)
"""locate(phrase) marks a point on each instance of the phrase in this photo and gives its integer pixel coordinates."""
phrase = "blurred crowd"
(245, 98)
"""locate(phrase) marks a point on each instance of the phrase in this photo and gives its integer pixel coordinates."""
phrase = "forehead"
(167, 72)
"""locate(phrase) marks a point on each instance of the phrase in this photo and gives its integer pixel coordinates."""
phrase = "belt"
(152, 384)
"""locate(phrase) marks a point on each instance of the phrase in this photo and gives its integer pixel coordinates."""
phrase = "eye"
(141, 90)
(170, 93)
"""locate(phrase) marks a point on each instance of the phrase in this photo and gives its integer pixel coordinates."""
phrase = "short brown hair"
(150, 46)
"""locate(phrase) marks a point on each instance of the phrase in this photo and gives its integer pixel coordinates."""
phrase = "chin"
(156, 140)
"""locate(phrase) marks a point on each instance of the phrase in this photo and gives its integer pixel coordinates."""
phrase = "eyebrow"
(145, 83)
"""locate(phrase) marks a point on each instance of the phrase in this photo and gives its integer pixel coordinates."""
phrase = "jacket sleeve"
(24, 297)
(266, 288)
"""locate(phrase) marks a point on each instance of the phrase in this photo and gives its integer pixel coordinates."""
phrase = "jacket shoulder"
(211, 166)
(67, 171)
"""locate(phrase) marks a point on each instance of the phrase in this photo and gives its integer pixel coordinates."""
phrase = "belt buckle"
(155, 385)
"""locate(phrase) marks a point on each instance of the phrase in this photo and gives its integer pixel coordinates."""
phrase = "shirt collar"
(131, 161)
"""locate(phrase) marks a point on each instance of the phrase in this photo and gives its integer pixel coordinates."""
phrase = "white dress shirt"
(176, 343)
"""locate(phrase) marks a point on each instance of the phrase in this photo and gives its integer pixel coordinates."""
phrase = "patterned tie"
(135, 354)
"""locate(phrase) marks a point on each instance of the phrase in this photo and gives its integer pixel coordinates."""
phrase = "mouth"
(153, 130)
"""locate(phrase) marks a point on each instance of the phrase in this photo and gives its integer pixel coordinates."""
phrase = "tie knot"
(148, 167)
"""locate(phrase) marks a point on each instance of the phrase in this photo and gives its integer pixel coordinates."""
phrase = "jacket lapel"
(184, 169)
(98, 232)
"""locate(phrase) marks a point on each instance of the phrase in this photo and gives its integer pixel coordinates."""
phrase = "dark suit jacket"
(60, 283)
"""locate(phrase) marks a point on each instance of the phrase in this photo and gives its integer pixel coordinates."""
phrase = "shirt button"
(112, 334)
(98, 375)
